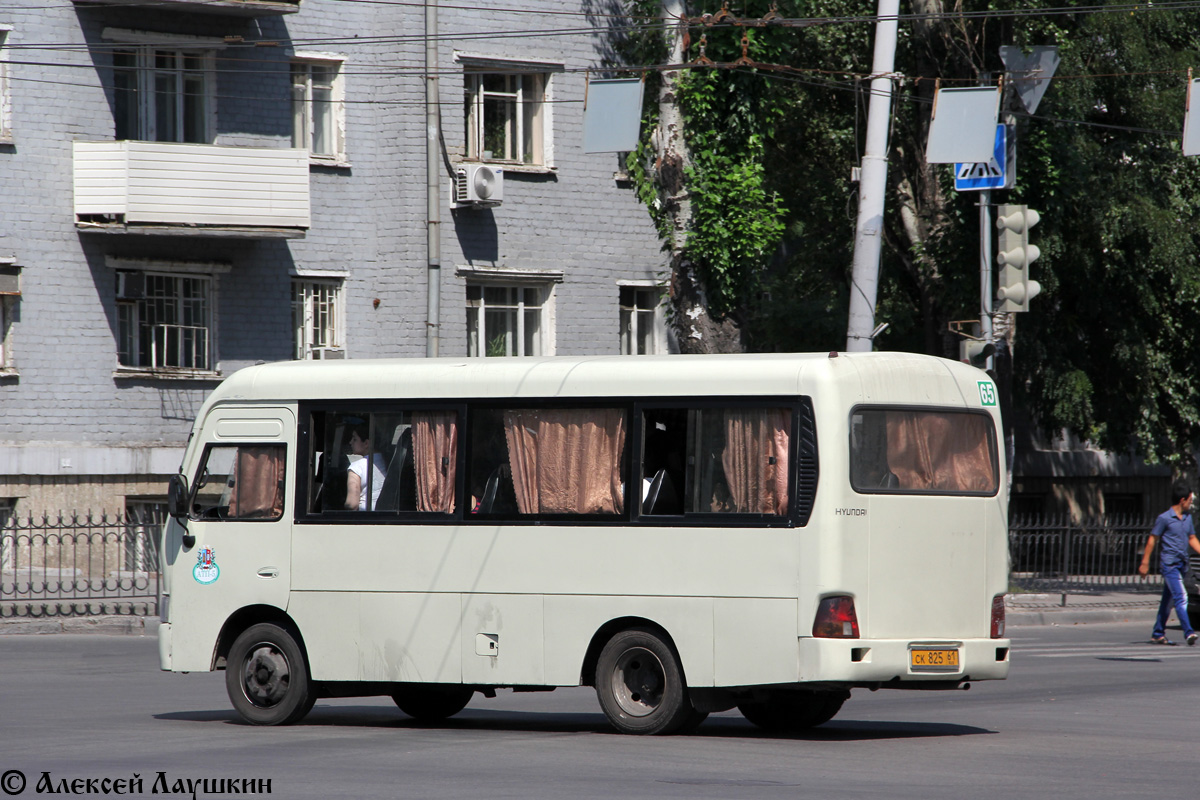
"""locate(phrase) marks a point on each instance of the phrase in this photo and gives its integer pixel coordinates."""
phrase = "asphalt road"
(1089, 712)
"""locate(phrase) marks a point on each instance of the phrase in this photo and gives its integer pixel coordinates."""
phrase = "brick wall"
(368, 217)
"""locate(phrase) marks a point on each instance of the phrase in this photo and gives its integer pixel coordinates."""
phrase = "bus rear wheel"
(432, 703)
(640, 685)
(795, 710)
(266, 676)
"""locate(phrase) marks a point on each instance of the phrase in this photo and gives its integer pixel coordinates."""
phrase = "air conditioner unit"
(328, 353)
(131, 285)
(479, 185)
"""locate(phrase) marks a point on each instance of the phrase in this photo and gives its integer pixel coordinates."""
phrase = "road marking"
(1111, 650)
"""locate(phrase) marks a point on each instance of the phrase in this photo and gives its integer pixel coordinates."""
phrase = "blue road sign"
(992, 175)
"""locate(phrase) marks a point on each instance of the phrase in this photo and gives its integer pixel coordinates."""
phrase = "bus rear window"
(911, 451)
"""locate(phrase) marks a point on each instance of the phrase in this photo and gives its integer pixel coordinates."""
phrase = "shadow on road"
(732, 727)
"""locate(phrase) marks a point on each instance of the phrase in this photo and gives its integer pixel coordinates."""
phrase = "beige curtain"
(755, 459)
(566, 461)
(257, 483)
(935, 451)
(435, 458)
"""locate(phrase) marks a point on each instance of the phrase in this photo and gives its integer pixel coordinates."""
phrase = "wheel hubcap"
(266, 676)
(638, 682)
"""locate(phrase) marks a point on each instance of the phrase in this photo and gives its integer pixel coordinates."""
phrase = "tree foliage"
(1106, 350)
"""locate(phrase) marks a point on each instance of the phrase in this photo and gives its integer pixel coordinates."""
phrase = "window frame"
(195, 486)
(475, 68)
(303, 105)
(993, 452)
(547, 334)
(6, 120)
(303, 340)
(7, 302)
(629, 315)
(305, 458)
(146, 70)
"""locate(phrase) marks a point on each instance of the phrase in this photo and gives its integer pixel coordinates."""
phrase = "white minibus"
(686, 534)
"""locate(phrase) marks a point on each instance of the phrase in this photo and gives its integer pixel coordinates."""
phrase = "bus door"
(931, 477)
(239, 516)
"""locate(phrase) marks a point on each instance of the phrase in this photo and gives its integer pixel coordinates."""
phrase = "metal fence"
(1056, 554)
(79, 565)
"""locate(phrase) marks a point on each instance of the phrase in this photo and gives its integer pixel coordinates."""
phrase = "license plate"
(927, 660)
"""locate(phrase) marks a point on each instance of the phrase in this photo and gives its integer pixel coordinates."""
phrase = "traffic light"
(1016, 254)
(975, 352)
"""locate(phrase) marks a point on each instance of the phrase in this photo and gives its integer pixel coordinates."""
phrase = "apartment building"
(191, 186)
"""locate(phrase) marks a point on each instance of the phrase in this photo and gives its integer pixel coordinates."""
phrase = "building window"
(164, 321)
(507, 117)
(318, 122)
(5, 316)
(512, 320)
(163, 95)
(643, 321)
(8, 533)
(317, 319)
(5, 101)
(144, 520)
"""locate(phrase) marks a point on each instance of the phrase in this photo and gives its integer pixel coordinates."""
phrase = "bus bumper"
(164, 646)
(890, 661)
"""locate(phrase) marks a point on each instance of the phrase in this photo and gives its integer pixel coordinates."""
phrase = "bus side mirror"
(177, 502)
(177, 497)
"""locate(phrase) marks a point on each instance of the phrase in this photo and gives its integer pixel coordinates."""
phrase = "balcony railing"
(179, 346)
(170, 187)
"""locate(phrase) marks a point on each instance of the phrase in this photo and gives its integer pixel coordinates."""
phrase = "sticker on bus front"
(987, 393)
(206, 570)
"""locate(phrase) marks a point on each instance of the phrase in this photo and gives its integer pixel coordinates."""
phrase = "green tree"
(1105, 350)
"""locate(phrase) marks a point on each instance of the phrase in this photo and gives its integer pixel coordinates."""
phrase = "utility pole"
(872, 184)
(985, 276)
(433, 184)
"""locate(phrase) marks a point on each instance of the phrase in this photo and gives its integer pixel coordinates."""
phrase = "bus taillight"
(998, 617)
(836, 618)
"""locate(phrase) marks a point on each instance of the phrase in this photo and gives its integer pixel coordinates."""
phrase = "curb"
(107, 625)
(1078, 616)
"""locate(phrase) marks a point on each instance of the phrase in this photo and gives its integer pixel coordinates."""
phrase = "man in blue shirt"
(1175, 530)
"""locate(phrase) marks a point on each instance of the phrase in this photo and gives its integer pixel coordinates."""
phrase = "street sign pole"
(985, 275)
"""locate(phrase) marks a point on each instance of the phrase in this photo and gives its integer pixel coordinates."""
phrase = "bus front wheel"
(794, 711)
(432, 703)
(267, 678)
(640, 685)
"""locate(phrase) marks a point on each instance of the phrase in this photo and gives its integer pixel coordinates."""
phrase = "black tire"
(267, 678)
(1193, 610)
(432, 703)
(794, 710)
(640, 684)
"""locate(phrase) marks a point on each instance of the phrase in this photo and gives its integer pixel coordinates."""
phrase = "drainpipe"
(433, 195)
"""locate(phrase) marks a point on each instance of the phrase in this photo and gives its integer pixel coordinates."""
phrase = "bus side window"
(716, 460)
(241, 482)
(528, 461)
(404, 461)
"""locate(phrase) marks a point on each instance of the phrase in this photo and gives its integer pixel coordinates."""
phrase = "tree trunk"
(695, 329)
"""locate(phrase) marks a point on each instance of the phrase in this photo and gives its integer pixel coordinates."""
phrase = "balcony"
(238, 8)
(174, 189)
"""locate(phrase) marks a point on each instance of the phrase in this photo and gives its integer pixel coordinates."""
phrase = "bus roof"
(876, 377)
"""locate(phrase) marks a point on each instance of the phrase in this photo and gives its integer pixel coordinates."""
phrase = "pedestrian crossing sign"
(975, 177)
